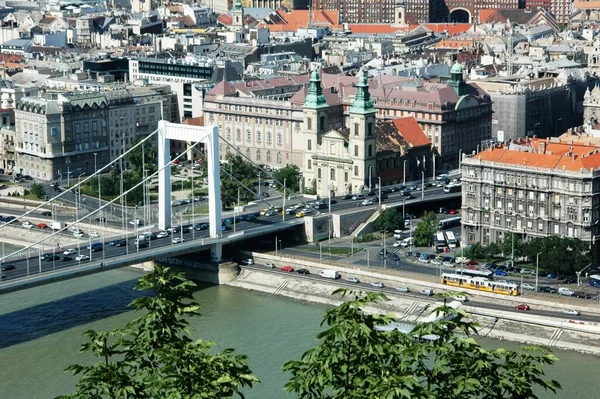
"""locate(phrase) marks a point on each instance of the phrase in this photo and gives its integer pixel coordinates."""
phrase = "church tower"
(363, 139)
(314, 125)
(457, 80)
(237, 14)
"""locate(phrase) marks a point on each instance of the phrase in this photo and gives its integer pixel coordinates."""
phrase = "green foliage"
(510, 241)
(425, 230)
(291, 174)
(559, 255)
(354, 360)
(153, 357)
(389, 220)
(364, 238)
(475, 251)
(242, 171)
(38, 190)
(144, 156)
(310, 191)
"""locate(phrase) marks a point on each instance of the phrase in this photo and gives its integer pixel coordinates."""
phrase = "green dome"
(457, 68)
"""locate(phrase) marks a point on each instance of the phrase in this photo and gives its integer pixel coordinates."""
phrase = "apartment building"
(531, 187)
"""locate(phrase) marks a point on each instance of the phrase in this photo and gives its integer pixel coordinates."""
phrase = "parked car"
(80, 258)
(461, 298)
(527, 286)
(581, 294)
(499, 272)
(288, 269)
(70, 252)
(377, 284)
(453, 212)
(551, 276)
(302, 271)
(522, 307)
(42, 226)
(178, 240)
(571, 312)
(353, 280)
(547, 289)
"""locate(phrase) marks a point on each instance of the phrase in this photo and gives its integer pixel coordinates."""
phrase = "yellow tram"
(480, 284)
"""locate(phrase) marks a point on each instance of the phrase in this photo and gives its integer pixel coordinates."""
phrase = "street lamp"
(68, 172)
(283, 210)
(537, 270)
(379, 184)
(422, 184)
(259, 184)
(404, 173)
(370, 169)
(459, 158)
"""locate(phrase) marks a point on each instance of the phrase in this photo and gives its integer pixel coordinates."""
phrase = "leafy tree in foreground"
(389, 219)
(153, 357)
(38, 190)
(425, 230)
(291, 174)
(355, 360)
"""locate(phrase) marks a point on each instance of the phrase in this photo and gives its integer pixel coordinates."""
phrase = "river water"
(41, 332)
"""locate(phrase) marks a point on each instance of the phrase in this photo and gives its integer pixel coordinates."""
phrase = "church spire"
(238, 5)
(362, 101)
(315, 97)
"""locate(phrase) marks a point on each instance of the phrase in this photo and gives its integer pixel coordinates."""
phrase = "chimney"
(542, 147)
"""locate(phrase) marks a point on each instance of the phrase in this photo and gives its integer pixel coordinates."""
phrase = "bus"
(449, 223)
(452, 188)
(480, 284)
(451, 240)
(476, 273)
(595, 280)
(440, 241)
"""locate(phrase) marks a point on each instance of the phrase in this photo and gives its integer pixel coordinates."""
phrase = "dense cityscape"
(438, 162)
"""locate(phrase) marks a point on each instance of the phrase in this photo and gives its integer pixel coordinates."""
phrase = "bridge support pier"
(216, 252)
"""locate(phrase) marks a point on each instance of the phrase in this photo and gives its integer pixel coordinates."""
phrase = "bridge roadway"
(31, 267)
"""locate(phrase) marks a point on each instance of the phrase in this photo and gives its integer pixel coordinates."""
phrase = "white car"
(27, 225)
(248, 262)
(269, 265)
(94, 234)
(135, 222)
(177, 240)
(461, 298)
(571, 312)
(447, 264)
(397, 244)
(527, 286)
(435, 262)
(367, 202)
(353, 280)
(162, 234)
(423, 260)
(79, 258)
(377, 285)
(70, 252)
(78, 235)
(402, 289)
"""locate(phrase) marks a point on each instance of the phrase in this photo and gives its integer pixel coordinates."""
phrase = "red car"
(287, 269)
(522, 307)
(453, 212)
(42, 226)
(471, 262)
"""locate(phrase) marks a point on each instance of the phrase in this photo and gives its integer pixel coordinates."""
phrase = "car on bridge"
(80, 258)
(46, 213)
(120, 243)
(162, 234)
(367, 202)
(65, 258)
(547, 289)
(8, 267)
(70, 252)
(178, 240)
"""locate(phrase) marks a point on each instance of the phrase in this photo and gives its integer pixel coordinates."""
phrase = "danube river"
(41, 332)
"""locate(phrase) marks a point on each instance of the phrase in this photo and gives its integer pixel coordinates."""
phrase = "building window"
(322, 123)
(370, 129)
(279, 158)
(248, 154)
(309, 146)
(318, 173)
(258, 137)
(279, 139)
(238, 134)
(309, 164)
(356, 171)
(269, 138)
(355, 150)
(309, 123)
(268, 156)
(258, 155)
(346, 177)
(370, 150)
(228, 133)
(332, 174)
(356, 129)
(248, 135)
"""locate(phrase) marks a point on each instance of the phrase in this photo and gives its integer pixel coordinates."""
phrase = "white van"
(398, 234)
(332, 274)
(565, 291)
(407, 242)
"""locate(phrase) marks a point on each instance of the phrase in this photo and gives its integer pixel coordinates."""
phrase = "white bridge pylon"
(209, 135)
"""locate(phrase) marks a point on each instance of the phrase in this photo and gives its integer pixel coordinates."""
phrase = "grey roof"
(25, 43)
(258, 13)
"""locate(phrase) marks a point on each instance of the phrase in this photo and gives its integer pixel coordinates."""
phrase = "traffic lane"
(109, 251)
(533, 311)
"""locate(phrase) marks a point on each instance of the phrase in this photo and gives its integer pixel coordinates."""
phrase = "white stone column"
(164, 177)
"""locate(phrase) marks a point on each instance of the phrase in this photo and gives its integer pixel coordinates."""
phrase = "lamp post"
(403, 208)
(259, 184)
(422, 184)
(275, 245)
(384, 250)
(68, 172)
(283, 210)
(459, 158)
(238, 209)
(379, 184)
(370, 169)
(433, 167)
(404, 174)
(537, 270)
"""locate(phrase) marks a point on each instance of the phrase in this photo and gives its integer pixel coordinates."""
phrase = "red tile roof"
(292, 20)
(375, 28)
(545, 154)
(411, 131)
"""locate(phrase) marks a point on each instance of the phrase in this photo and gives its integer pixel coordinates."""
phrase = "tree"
(153, 357)
(425, 230)
(237, 170)
(290, 174)
(475, 251)
(144, 156)
(560, 255)
(511, 241)
(354, 360)
(38, 190)
(389, 220)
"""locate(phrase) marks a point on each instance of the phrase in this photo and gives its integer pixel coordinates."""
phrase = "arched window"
(279, 158)
(238, 134)
(269, 138)
(228, 133)
(309, 123)
(309, 164)
(318, 173)
(248, 135)
(356, 129)
(248, 154)
(332, 148)
(356, 171)
(309, 145)
(258, 137)
(346, 176)
(279, 139)
(268, 156)
(322, 123)
(370, 150)
(355, 150)
(332, 174)
(258, 155)
(370, 129)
